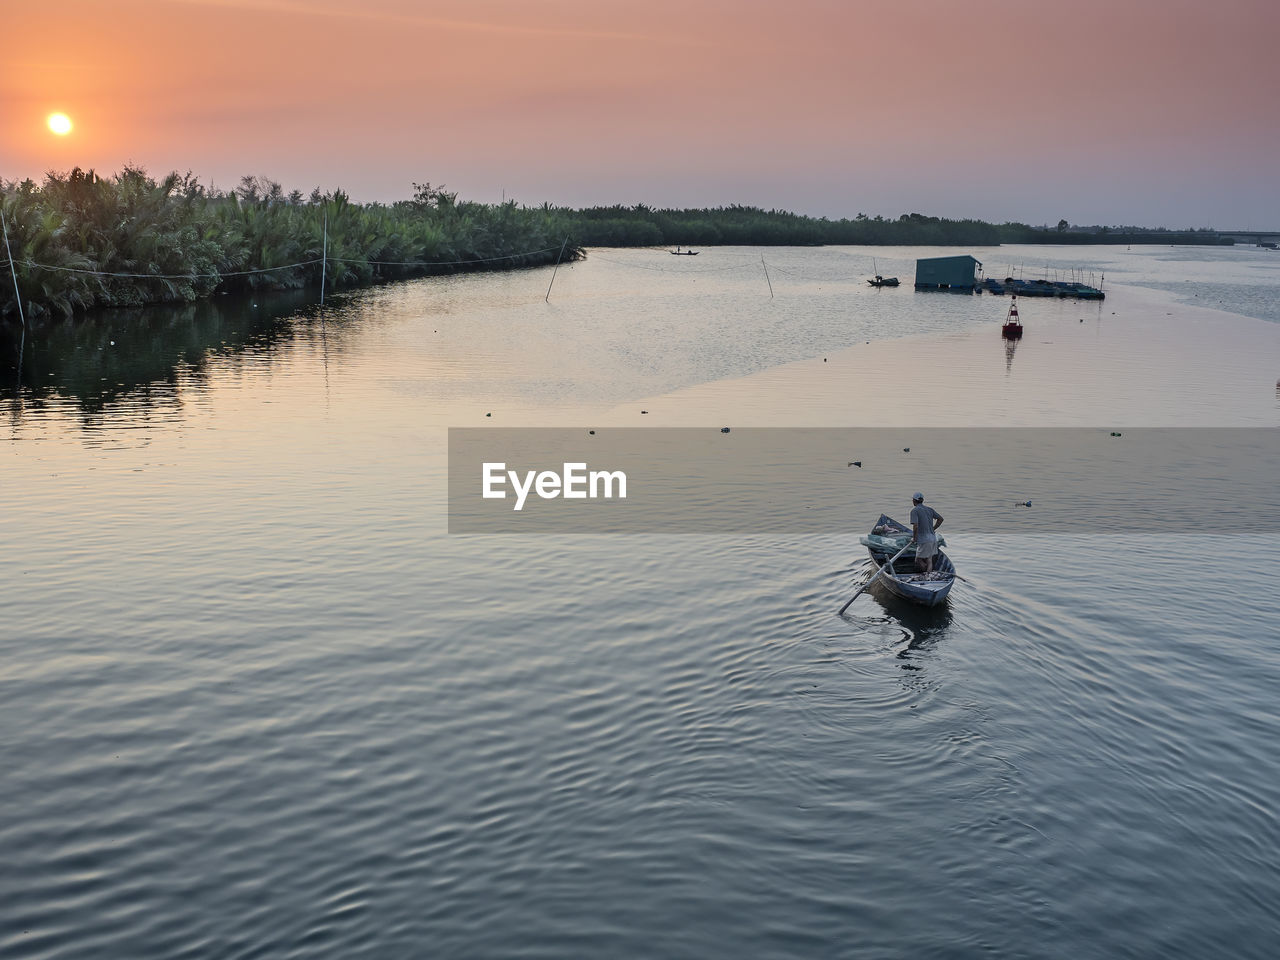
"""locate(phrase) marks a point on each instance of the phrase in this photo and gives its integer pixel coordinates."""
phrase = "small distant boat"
(885, 544)
(1012, 329)
(677, 252)
(880, 281)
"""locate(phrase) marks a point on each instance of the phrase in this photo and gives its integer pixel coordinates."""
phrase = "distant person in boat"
(924, 521)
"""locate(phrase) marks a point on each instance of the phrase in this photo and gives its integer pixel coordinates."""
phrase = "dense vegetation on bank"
(82, 241)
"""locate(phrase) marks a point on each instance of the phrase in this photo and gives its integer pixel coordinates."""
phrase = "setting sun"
(60, 124)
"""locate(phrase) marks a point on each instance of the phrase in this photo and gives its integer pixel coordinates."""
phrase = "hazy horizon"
(1133, 112)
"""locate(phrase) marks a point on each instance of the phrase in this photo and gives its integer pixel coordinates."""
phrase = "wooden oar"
(875, 576)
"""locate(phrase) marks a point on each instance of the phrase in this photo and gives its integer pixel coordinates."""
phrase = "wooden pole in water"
(17, 294)
(876, 576)
(547, 298)
(766, 276)
(324, 255)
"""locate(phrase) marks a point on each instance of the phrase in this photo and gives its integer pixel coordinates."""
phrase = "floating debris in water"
(644, 411)
(488, 414)
(1114, 434)
(906, 449)
(724, 429)
(592, 432)
(856, 463)
(1023, 503)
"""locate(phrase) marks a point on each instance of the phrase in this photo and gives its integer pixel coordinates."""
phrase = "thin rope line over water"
(165, 276)
(287, 266)
(799, 276)
(442, 263)
(745, 264)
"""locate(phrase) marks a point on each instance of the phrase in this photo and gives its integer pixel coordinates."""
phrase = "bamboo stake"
(17, 294)
(876, 576)
(547, 298)
(766, 276)
(324, 255)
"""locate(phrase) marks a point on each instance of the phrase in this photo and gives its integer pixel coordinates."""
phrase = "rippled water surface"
(254, 701)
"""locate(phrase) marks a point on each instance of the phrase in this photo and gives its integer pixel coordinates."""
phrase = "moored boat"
(880, 281)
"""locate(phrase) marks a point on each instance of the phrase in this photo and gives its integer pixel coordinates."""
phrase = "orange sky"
(1110, 111)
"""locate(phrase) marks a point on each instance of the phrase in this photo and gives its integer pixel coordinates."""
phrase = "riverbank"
(627, 330)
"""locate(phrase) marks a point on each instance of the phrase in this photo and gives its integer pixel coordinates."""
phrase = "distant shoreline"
(81, 242)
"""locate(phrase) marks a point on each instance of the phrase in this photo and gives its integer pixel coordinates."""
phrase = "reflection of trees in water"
(148, 356)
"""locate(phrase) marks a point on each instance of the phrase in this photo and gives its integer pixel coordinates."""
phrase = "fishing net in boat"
(890, 536)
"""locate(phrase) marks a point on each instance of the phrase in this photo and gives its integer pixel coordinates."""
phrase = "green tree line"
(80, 241)
(640, 225)
(738, 225)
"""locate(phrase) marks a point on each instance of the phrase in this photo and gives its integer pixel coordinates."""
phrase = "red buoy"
(1012, 329)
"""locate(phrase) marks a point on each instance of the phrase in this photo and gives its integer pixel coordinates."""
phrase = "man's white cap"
(918, 496)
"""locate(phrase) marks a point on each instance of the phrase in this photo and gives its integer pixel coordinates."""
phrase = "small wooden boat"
(677, 252)
(885, 543)
(927, 590)
(1012, 329)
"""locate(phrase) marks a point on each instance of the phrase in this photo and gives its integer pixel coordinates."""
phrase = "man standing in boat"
(924, 521)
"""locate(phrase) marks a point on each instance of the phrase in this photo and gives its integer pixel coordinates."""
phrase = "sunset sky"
(1156, 112)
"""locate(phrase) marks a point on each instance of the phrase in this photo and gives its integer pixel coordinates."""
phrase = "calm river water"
(256, 702)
